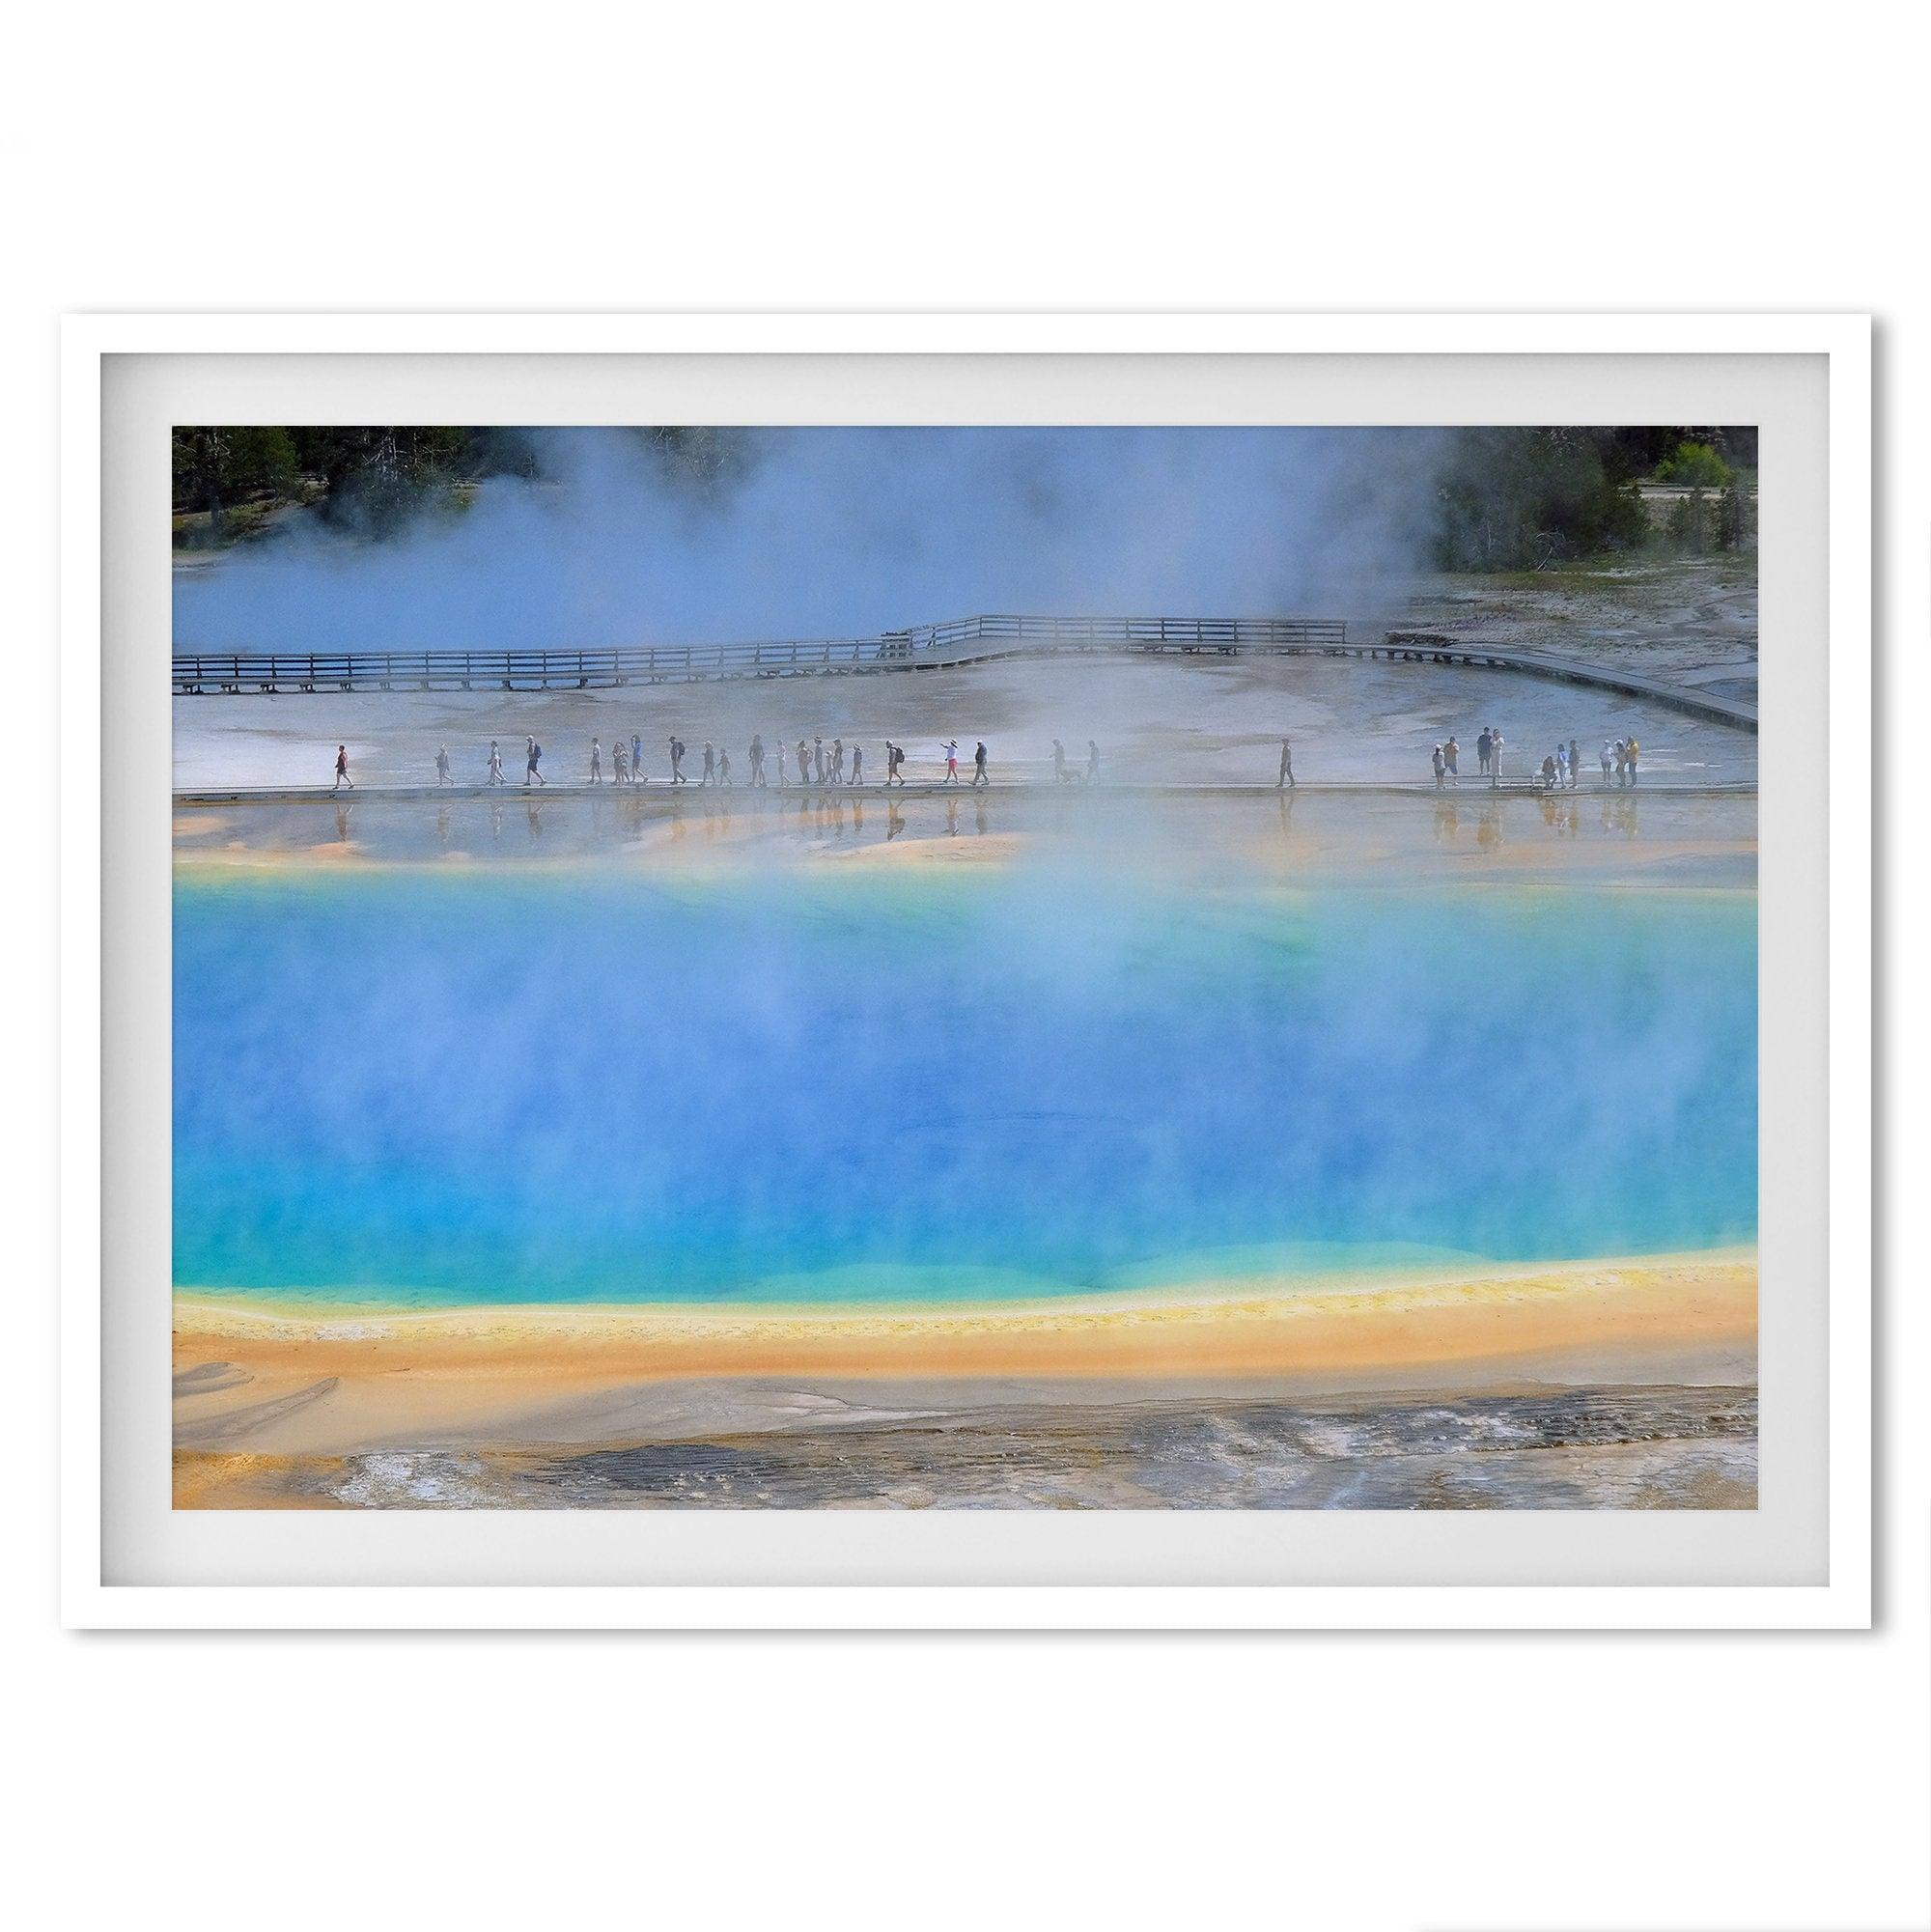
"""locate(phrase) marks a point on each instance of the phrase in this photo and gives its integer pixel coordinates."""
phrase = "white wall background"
(831, 156)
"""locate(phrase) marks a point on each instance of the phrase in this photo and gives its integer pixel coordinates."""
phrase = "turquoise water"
(433, 1089)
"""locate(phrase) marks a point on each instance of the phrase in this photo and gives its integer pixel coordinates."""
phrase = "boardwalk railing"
(968, 640)
(926, 646)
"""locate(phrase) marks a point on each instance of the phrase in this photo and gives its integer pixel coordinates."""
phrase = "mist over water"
(841, 532)
(591, 1085)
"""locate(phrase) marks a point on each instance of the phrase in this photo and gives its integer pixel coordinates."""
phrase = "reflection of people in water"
(979, 816)
(341, 823)
(495, 820)
(952, 818)
(894, 822)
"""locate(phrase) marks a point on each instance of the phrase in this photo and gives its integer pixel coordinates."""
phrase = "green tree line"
(1522, 498)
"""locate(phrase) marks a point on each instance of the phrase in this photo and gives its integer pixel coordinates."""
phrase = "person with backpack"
(677, 776)
(533, 757)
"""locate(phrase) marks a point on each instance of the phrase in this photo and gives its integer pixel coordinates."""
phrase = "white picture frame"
(94, 1596)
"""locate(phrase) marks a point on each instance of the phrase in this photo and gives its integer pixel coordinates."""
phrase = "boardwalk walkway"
(972, 641)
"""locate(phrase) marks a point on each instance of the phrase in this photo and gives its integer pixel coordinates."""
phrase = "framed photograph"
(1030, 971)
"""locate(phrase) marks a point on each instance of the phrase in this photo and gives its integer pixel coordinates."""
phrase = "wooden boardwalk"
(972, 641)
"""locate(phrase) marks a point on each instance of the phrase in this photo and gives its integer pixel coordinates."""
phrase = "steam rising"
(841, 532)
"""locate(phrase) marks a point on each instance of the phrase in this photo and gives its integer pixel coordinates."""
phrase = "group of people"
(1560, 770)
(815, 764)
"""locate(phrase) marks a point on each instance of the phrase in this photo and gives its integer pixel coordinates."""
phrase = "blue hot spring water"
(425, 1088)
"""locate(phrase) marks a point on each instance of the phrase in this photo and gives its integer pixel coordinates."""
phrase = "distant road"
(971, 640)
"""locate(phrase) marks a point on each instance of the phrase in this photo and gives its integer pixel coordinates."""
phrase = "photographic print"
(965, 968)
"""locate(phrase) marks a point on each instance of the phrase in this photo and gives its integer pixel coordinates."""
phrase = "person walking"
(1495, 756)
(1482, 753)
(677, 776)
(818, 760)
(1630, 754)
(979, 778)
(442, 765)
(495, 772)
(757, 760)
(620, 762)
(951, 751)
(1285, 780)
(341, 776)
(1441, 764)
(724, 768)
(784, 783)
(596, 762)
(1092, 762)
(894, 759)
(637, 759)
(1561, 763)
(838, 761)
(1059, 760)
(1450, 752)
(1574, 766)
(710, 773)
(857, 765)
(532, 758)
